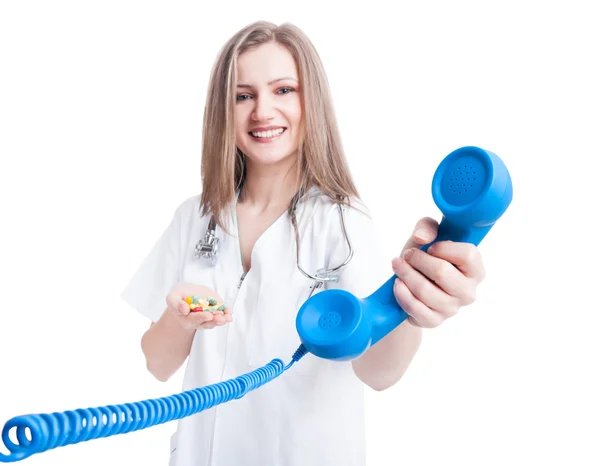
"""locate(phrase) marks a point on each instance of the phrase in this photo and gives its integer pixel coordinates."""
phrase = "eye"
(241, 97)
(285, 90)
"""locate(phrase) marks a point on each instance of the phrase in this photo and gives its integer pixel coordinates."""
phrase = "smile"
(266, 136)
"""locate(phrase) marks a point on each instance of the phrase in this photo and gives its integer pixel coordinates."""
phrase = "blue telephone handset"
(472, 188)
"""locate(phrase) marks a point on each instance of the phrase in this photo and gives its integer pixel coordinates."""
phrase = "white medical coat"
(311, 415)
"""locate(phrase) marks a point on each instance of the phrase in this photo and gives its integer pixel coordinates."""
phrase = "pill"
(198, 304)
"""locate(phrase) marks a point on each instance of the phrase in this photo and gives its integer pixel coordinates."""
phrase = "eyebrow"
(271, 82)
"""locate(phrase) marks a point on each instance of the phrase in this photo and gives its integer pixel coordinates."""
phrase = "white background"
(100, 135)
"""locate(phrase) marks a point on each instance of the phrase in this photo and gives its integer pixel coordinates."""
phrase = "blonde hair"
(321, 159)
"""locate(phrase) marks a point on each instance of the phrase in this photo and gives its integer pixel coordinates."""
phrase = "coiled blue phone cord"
(55, 430)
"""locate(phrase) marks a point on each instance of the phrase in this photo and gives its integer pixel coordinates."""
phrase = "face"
(268, 111)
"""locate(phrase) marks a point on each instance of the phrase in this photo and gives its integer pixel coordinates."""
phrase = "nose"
(263, 108)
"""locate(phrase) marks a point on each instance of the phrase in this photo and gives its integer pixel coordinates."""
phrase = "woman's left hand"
(432, 286)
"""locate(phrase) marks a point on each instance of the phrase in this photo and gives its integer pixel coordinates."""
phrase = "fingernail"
(421, 233)
(408, 254)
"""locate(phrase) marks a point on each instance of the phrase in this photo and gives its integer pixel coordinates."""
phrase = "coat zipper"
(241, 280)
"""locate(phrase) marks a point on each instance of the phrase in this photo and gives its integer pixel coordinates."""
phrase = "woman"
(274, 172)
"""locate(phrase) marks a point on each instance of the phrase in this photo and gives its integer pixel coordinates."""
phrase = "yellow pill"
(188, 300)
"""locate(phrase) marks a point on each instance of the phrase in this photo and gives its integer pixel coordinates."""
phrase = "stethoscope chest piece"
(208, 247)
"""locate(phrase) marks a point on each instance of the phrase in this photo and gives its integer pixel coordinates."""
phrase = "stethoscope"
(208, 248)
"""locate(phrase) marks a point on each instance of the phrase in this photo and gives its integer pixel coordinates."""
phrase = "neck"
(269, 187)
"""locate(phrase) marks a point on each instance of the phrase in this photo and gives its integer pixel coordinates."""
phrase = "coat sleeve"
(159, 271)
(369, 267)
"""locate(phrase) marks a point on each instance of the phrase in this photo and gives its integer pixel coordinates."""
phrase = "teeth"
(268, 134)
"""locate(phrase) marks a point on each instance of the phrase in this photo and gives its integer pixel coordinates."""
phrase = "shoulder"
(188, 211)
(189, 206)
(186, 217)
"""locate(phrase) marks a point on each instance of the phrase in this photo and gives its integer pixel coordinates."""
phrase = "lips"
(267, 134)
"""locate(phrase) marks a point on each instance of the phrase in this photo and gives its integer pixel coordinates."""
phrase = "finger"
(419, 314)
(218, 317)
(207, 325)
(425, 290)
(217, 321)
(224, 316)
(210, 319)
(228, 314)
(465, 256)
(425, 232)
(221, 320)
(198, 318)
(441, 272)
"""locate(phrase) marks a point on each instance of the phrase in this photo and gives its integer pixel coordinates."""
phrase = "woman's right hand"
(180, 309)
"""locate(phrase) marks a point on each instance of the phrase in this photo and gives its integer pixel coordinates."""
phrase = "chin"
(261, 157)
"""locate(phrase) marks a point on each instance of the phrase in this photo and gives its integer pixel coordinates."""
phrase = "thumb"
(183, 307)
(425, 232)
(177, 304)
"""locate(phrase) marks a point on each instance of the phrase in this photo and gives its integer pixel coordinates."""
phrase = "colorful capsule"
(198, 304)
